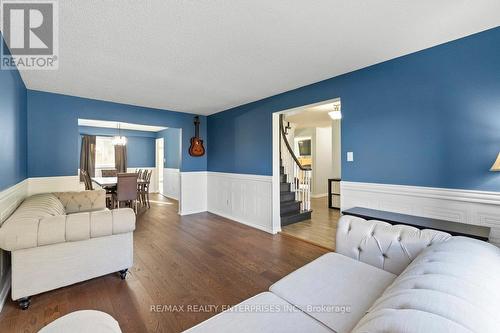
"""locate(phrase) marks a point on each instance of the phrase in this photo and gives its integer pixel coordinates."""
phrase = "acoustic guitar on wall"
(196, 148)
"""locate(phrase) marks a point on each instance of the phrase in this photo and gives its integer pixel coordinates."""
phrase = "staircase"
(295, 184)
(290, 209)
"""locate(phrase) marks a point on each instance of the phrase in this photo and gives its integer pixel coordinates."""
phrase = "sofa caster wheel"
(123, 274)
(24, 303)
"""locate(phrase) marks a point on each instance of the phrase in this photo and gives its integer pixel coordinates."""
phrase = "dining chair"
(144, 188)
(109, 173)
(126, 190)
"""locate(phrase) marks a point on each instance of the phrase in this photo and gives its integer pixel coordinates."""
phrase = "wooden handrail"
(290, 150)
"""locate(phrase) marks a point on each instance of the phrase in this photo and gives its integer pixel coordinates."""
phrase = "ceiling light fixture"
(335, 114)
(119, 140)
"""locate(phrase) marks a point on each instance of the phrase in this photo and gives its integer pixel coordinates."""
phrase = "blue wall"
(13, 135)
(141, 145)
(431, 118)
(53, 130)
(172, 152)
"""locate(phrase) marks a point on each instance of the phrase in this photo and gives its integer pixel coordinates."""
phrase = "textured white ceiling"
(207, 56)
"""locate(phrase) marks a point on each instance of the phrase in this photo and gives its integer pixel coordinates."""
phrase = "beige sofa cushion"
(82, 201)
(263, 313)
(334, 289)
(40, 220)
(449, 287)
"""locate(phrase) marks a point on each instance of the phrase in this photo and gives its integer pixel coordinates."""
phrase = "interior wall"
(426, 119)
(53, 125)
(13, 155)
(140, 144)
(336, 149)
(13, 128)
(172, 147)
(322, 169)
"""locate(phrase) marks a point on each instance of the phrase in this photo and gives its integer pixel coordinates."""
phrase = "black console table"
(453, 228)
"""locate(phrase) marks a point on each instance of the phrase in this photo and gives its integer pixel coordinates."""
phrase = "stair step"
(283, 178)
(291, 218)
(282, 170)
(287, 196)
(285, 187)
(289, 207)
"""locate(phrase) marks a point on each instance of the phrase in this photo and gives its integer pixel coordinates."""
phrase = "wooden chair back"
(109, 173)
(126, 186)
(147, 176)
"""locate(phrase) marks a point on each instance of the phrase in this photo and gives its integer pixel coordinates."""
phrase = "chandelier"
(119, 140)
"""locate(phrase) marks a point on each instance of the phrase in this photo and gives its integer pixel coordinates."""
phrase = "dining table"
(111, 181)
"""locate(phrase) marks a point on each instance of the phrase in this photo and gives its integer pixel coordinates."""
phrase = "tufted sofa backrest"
(450, 287)
(82, 201)
(380, 244)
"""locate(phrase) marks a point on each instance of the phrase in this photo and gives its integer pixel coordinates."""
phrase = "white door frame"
(159, 163)
(276, 218)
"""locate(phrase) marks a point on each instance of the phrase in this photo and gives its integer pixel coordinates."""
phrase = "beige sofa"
(382, 278)
(57, 239)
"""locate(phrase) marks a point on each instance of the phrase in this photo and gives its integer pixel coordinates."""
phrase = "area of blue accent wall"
(431, 118)
(171, 147)
(141, 145)
(53, 130)
(13, 135)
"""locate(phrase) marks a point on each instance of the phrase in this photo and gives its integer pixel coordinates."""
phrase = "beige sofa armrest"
(82, 201)
(380, 244)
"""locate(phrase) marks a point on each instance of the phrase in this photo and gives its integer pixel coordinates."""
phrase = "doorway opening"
(306, 167)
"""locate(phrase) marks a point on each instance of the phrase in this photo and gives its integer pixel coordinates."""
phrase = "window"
(104, 152)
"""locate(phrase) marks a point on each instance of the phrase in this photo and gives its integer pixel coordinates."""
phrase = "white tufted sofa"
(383, 278)
(57, 239)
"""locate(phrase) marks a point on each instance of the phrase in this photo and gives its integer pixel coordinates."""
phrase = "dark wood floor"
(200, 259)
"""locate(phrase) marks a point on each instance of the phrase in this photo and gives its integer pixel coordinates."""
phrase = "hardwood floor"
(320, 229)
(200, 259)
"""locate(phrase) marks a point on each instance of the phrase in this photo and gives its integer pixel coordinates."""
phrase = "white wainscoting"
(171, 183)
(54, 184)
(243, 198)
(10, 198)
(193, 194)
(464, 206)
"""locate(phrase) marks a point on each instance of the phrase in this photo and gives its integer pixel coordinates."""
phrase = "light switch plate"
(350, 156)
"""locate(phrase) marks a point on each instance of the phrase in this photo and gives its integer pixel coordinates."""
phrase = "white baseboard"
(171, 183)
(243, 198)
(4, 291)
(463, 206)
(248, 223)
(193, 193)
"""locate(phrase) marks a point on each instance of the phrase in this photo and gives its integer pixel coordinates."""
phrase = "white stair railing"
(298, 176)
